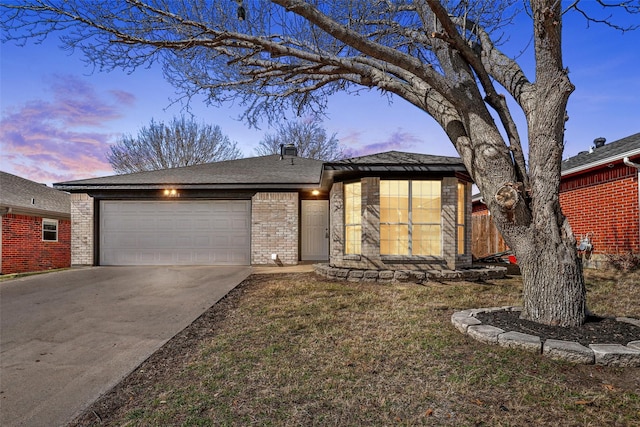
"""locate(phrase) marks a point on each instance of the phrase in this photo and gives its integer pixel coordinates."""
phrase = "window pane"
(461, 240)
(461, 217)
(352, 240)
(352, 218)
(461, 202)
(425, 202)
(427, 240)
(49, 230)
(394, 239)
(394, 201)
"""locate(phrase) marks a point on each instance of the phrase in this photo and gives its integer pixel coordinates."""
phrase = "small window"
(460, 223)
(352, 218)
(50, 230)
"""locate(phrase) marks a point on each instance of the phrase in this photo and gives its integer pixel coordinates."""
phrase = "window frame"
(461, 218)
(355, 227)
(410, 223)
(49, 221)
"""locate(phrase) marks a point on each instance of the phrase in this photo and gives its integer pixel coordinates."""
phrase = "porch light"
(315, 192)
(170, 192)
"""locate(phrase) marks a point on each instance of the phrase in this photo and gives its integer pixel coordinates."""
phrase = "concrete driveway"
(67, 337)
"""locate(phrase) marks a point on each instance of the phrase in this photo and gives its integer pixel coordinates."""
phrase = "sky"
(58, 117)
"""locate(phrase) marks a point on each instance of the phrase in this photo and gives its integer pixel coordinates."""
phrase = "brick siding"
(605, 205)
(23, 249)
(82, 229)
(274, 228)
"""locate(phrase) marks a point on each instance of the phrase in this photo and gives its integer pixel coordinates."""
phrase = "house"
(599, 194)
(35, 231)
(389, 210)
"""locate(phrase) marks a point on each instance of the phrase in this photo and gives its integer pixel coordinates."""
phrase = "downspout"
(637, 166)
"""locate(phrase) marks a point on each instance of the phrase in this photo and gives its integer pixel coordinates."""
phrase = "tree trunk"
(553, 285)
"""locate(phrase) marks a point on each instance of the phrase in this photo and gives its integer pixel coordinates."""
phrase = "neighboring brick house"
(599, 194)
(35, 230)
(403, 210)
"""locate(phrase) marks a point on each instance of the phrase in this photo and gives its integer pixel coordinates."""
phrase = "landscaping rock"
(370, 276)
(462, 322)
(386, 275)
(342, 273)
(401, 276)
(526, 342)
(630, 320)
(485, 333)
(355, 275)
(417, 276)
(615, 355)
(569, 351)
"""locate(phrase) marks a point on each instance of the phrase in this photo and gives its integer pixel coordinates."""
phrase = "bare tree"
(309, 137)
(441, 56)
(182, 142)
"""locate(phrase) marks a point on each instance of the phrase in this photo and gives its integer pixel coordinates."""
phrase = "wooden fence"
(486, 238)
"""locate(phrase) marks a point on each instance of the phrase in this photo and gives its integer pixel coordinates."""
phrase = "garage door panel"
(175, 233)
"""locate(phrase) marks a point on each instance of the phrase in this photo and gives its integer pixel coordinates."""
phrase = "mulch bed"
(597, 330)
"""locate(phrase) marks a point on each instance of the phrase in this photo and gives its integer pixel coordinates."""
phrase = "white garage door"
(175, 232)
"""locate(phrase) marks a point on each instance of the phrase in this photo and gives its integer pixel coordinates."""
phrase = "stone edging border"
(412, 276)
(600, 354)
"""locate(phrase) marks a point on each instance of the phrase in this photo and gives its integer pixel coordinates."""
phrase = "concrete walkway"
(67, 337)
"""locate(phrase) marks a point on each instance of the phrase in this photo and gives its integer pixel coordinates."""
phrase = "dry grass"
(290, 350)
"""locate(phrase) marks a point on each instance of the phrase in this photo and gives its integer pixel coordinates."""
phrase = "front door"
(315, 230)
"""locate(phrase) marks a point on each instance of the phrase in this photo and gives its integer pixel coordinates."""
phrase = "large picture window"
(49, 230)
(410, 217)
(352, 218)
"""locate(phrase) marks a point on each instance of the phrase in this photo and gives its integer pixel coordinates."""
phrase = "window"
(352, 218)
(49, 230)
(460, 221)
(410, 213)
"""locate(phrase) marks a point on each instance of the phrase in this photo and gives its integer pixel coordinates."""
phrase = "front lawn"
(299, 350)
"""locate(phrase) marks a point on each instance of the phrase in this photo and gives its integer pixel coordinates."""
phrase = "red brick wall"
(605, 204)
(23, 249)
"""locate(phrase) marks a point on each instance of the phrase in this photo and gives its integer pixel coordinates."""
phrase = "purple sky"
(58, 117)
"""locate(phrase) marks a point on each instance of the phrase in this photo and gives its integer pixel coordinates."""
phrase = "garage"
(175, 232)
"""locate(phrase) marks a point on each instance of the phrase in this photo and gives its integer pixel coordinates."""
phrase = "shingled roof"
(608, 153)
(248, 173)
(24, 196)
(390, 159)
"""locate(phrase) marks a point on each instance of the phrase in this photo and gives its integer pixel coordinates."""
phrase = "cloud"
(399, 140)
(63, 138)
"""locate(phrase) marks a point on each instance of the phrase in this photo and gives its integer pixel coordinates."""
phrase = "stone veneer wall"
(370, 254)
(81, 229)
(274, 228)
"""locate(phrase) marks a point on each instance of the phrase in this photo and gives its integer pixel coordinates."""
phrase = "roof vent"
(288, 150)
(599, 142)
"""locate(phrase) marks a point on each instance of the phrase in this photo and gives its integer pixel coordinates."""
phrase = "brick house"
(35, 231)
(390, 209)
(599, 194)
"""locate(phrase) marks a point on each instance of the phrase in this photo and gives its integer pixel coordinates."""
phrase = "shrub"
(624, 261)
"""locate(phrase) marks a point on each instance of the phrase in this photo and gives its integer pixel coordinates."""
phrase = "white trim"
(50, 221)
(601, 162)
(637, 166)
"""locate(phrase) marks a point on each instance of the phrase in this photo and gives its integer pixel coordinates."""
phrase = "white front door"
(315, 230)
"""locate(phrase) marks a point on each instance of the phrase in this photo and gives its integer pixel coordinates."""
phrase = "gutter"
(611, 159)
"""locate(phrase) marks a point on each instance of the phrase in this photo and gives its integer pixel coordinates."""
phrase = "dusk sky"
(59, 117)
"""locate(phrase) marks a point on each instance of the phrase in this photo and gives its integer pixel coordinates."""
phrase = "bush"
(626, 262)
